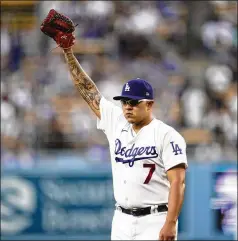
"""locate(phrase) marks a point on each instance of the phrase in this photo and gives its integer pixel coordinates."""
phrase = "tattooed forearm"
(85, 86)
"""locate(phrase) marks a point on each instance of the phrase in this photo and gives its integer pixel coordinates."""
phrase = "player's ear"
(150, 104)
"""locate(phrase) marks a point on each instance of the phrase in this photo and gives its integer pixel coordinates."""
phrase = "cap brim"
(120, 97)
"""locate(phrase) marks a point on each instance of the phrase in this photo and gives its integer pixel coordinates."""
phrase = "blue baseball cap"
(136, 89)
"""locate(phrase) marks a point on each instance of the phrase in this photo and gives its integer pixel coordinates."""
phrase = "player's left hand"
(168, 231)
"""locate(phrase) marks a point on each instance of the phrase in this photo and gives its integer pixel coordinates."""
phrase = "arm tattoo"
(85, 86)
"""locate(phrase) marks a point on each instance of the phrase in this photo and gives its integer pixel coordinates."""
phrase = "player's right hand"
(65, 40)
(59, 27)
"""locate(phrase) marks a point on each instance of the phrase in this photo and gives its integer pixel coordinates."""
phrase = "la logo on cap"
(127, 87)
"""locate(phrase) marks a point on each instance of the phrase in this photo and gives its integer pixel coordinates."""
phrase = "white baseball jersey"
(140, 161)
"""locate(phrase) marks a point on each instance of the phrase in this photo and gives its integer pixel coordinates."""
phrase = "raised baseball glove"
(60, 28)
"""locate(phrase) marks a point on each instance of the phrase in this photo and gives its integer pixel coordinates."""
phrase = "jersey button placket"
(125, 182)
(126, 198)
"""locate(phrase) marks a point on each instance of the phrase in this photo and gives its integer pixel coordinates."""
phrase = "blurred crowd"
(185, 49)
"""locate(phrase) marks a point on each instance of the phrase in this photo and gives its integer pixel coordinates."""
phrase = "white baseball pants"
(128, 227)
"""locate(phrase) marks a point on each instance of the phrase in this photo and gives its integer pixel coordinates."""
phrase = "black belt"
(142, 211)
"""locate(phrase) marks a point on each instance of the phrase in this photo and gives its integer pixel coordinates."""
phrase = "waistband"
(143, 211)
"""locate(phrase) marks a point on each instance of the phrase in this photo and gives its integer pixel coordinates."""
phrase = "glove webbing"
(64, 19)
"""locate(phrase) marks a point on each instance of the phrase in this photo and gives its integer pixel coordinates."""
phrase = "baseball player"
(148, 157)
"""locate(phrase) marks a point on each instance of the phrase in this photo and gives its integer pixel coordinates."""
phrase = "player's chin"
(130, 119)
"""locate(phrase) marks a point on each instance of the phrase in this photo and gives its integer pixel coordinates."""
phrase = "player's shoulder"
(165, 130)
(105, 102)
(163, 127)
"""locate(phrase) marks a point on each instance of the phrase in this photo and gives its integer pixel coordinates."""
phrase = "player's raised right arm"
(85, 86)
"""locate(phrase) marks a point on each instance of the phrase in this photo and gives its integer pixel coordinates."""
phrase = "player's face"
(136, 111)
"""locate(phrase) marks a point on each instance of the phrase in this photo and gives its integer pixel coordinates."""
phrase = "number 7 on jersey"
(151, 171)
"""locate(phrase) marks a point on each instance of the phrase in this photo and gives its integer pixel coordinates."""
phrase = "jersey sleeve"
(110, 114)
(174, 150)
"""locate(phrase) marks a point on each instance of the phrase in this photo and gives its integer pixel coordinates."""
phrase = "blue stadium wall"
(78, 203)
